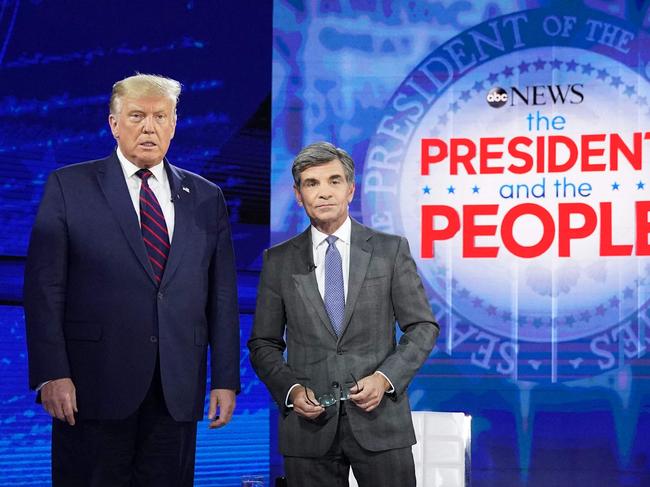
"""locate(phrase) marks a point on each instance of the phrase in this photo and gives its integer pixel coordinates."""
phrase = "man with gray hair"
(130, 278)
(330, 297)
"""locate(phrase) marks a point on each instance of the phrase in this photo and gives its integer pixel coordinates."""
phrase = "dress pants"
(389, 468)
(148, 448)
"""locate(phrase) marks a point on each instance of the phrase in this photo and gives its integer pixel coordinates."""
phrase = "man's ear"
(351, 193)
(174, 125)
(112, 123)
(296, 192)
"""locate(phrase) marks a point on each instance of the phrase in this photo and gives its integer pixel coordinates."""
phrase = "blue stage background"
(58, 61)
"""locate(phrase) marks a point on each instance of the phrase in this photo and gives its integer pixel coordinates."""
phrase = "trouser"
(387, 468)
(148, 448)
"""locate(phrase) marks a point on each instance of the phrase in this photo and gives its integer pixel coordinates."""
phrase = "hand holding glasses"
(329, 398)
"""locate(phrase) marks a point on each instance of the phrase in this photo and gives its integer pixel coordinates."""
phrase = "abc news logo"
(536, 95)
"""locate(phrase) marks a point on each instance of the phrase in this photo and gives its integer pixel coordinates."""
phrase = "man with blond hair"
(130, 278)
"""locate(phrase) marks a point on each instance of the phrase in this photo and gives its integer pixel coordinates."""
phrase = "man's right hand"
(59, 399)
(302, 405)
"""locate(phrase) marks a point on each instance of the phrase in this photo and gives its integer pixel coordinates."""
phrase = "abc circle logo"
(497, 97)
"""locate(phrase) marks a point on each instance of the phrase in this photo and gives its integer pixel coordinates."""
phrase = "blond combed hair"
(140, 85)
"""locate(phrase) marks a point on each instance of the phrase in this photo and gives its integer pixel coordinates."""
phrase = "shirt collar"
(130, 169)
(343, 233)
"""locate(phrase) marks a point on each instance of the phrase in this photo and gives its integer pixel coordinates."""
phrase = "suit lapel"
(305, 278)
(360, 252)
(182, 197)
(111, 180)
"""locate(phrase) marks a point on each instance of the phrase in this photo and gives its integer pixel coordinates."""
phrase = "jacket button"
(335, 385)
(160, 295)
(340, 352)
(153, 339)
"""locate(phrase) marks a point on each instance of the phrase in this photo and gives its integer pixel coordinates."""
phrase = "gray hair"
(140, 85)
(320, 153)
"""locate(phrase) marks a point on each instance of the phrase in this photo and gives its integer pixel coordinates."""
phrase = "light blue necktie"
(334, 290)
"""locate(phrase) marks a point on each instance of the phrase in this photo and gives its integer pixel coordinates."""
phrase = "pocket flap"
(83, 330)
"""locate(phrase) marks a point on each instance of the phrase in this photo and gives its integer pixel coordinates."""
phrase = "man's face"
(325, 194)
(143, 128)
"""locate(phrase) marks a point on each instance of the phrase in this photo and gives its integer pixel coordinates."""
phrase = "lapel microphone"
(312, 267)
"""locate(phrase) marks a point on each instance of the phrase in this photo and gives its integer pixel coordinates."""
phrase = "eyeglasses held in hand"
(329, 398)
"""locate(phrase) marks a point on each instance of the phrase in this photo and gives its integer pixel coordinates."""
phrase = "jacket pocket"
(83, 331)
(374, 281)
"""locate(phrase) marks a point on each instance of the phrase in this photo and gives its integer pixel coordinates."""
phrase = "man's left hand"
(370, 392)
(225, 399)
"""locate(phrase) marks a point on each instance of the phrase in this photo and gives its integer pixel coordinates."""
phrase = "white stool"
(442, 451)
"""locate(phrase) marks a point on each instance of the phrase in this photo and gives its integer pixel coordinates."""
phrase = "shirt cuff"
(286, 399)
(41, 385)
(392, 387)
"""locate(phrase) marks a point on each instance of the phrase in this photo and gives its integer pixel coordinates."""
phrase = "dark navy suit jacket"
(92, 307)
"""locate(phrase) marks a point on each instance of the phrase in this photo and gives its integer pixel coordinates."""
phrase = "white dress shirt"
(159, 184)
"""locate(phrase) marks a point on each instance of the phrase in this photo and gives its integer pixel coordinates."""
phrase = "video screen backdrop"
(58, 62)
(508, 141)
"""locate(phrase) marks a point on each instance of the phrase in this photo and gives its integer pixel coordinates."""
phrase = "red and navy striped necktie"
(153, 226)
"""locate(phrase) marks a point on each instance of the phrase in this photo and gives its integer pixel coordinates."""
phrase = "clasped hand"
(369, 392)
(366, 396)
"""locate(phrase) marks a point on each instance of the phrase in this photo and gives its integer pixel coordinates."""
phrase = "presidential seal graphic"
(515, 158)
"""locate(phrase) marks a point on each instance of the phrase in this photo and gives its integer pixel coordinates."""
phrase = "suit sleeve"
(266, 343)
(415, 318)
(223, 314)
(44, 291)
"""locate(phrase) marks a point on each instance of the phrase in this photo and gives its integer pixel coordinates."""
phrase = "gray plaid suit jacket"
(383, 287)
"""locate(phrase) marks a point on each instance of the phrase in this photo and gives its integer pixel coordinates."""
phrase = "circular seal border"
(392, 138)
